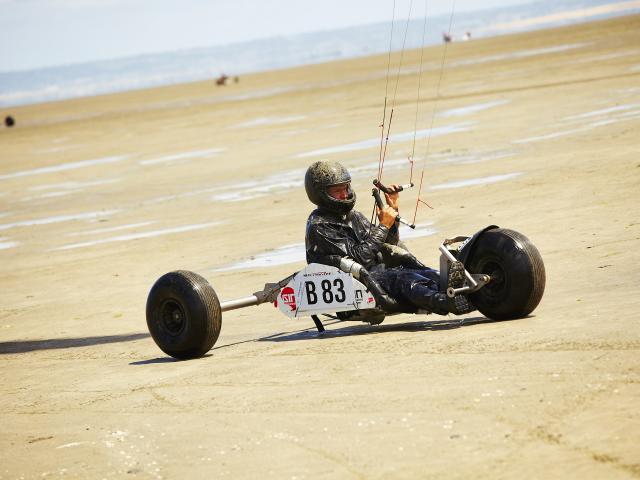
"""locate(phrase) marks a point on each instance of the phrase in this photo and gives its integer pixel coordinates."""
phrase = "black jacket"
(350, 235)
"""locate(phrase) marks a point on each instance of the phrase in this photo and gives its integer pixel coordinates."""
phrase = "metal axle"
(239, 303)
(267, 294)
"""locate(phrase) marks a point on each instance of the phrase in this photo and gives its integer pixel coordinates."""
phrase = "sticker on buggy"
(322, 289)
(288, 297)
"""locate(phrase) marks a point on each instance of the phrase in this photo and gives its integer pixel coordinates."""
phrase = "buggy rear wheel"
(516, 270)
(183, 314)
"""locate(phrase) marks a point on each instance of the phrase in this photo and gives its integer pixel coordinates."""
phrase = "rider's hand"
(392, 198)
(387, 216)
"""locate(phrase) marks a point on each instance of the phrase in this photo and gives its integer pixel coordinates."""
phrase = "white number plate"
(323, 289)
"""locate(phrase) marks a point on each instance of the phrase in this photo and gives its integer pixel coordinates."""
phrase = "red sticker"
(288, 296)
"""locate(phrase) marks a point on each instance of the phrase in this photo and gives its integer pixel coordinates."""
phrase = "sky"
(41, 33)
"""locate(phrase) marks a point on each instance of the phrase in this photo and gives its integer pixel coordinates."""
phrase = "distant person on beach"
(466, 36)
(222, 80)
(446, 37)
(9, 121)
(335, 231)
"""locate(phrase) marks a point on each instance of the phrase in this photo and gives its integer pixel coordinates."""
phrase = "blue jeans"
(413, 286)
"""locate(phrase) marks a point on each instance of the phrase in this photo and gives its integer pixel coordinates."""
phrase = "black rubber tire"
(517, 271)
(183, 314)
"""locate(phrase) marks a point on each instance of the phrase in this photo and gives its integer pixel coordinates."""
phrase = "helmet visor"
(340, 191)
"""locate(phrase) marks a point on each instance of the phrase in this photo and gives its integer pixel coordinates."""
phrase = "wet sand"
(537, 132)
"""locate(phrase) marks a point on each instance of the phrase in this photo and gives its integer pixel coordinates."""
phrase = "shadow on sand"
(350, 329)
(365, 329)
(166, 359)
(23, 346)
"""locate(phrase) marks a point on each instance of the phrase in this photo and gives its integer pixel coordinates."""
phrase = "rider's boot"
(424, 295)
(441, 304)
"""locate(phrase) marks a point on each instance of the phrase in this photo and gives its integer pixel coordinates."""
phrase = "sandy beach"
(537, 132)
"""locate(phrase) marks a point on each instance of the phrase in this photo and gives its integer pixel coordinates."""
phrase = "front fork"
(474, 281)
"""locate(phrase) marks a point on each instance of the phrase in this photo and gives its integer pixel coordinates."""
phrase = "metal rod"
(376, 195)
(386, 189)
(452, 292)
(445, 251)
(239, 303)
(404, 222)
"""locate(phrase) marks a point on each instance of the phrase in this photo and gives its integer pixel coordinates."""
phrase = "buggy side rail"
(383, 300)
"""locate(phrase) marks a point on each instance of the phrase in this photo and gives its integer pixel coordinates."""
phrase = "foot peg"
(458, 304)
(456, 275)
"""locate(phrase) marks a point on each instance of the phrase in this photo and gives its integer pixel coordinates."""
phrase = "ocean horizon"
(207, 63)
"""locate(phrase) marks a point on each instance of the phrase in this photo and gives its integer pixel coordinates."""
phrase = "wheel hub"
(173, 317)
(497, 284)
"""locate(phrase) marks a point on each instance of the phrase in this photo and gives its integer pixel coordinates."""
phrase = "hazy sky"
(36, 33)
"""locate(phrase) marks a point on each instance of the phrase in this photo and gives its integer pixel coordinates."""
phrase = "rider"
(334, 228)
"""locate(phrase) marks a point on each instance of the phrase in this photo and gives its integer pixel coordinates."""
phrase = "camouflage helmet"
(320, 176)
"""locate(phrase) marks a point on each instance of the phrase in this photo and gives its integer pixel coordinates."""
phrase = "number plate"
(323, 289)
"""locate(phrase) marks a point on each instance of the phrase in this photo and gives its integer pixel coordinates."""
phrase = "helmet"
(321, 175)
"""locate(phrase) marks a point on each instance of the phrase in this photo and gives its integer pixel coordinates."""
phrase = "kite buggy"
(358, 270)
(501, 274)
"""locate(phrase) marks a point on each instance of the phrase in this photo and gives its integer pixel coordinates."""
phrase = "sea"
(166, 68)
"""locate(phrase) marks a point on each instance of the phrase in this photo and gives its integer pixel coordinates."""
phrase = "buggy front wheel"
(516, 270)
